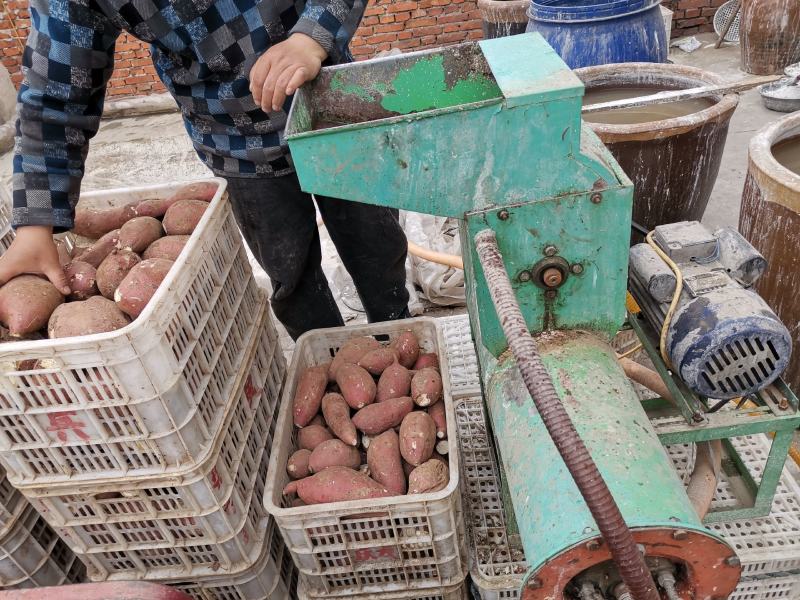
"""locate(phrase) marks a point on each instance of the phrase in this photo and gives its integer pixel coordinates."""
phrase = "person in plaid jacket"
(232, 66)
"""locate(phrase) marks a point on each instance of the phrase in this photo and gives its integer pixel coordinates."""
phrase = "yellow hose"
(662, 343)
(448, 260)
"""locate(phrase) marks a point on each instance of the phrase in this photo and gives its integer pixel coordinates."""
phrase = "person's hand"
(33, 251)
(284, 68)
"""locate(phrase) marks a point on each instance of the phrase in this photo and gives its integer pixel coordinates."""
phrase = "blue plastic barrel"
(586, 33)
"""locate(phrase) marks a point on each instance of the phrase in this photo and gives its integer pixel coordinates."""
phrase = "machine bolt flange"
(698, 417)
(596, 198)
(550, 250)
(503, 215)
(525, 276)
(680, 534)
(534, 584)
(577, 269)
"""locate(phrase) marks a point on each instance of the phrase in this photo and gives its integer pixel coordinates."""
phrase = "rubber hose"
(615, 532)
(707, 464)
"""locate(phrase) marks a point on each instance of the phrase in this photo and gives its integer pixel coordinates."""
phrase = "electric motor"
(723, 340)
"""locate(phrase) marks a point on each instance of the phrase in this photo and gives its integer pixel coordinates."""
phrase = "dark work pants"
(278, 221)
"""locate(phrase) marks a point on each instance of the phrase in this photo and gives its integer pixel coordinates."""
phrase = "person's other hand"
(33, 251)
(284, 68)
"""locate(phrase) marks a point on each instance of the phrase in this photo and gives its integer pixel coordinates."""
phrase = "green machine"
(491, 133)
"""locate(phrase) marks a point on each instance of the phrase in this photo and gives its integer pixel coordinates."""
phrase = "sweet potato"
(311, 436)
(113, 270)
(417, 437)
(352, 352)
(297, 465)
(337, 415)
(137, 234)
(339, 484)
(95, 315)
(376, 361)
(426, 387)
(358, 387)
(395, 382)
(333, 453)
(308, 395)
(385, 463)
(97, 252)
(439, 416)
(82, 280)
(157, 207)
(427, 361)
(168, 247)
(94, 222)
(26, 303)
(407, 346)
(140, 285)
(200, 190)
(182, 217)
(377, 418)
(431, 476)
(317, 420)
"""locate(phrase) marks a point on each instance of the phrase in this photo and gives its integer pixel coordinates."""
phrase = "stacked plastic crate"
(768, 547)
(146, 449)
(402, 547)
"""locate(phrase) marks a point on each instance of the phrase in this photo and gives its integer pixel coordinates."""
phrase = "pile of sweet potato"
(112, 278)
(371, 424)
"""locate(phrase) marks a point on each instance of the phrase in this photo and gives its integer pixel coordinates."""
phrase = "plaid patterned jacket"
(203, 51)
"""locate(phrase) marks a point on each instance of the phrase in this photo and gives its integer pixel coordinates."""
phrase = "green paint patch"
(423, 87)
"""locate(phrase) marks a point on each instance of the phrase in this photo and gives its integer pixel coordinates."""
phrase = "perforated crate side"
(32, 555)
(463, 362)
(12, 504)
(403, 542)
(453, 592)
(272, 577)
(148, 558)
(769, 588)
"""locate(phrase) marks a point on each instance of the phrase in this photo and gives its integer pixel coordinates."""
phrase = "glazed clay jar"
(769, 32)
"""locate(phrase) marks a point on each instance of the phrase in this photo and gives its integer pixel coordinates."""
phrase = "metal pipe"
(615, 532)
(707, 464)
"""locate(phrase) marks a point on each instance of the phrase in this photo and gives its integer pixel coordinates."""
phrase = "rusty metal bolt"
(577, 269)
(550, 294)
(596, 198)
(593, 545)
(550, 250)
(503, 215)
(552, 277)
(525, 276)
(733, 561)
(783, 404)
(680, 534)
(534, 584)
(698, 417)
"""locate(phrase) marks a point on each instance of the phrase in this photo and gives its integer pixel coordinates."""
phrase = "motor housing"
(723, 340)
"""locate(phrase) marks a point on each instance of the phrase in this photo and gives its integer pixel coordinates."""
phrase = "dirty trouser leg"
(373, 249)
(279, 223)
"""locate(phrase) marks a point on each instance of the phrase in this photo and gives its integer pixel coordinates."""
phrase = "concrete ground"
(750, 116)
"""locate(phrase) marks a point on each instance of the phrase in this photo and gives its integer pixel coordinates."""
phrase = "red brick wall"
(402, 24)
(692, 16)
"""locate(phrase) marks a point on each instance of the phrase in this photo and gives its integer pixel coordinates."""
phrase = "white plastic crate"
(465, 378)
(452, 592)
(395, 544)
(765, 545)
(136, 401)
(770, 588)
(32, 555)
(144, 552)
(247, 436)
(272, 577)
(12, 504)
